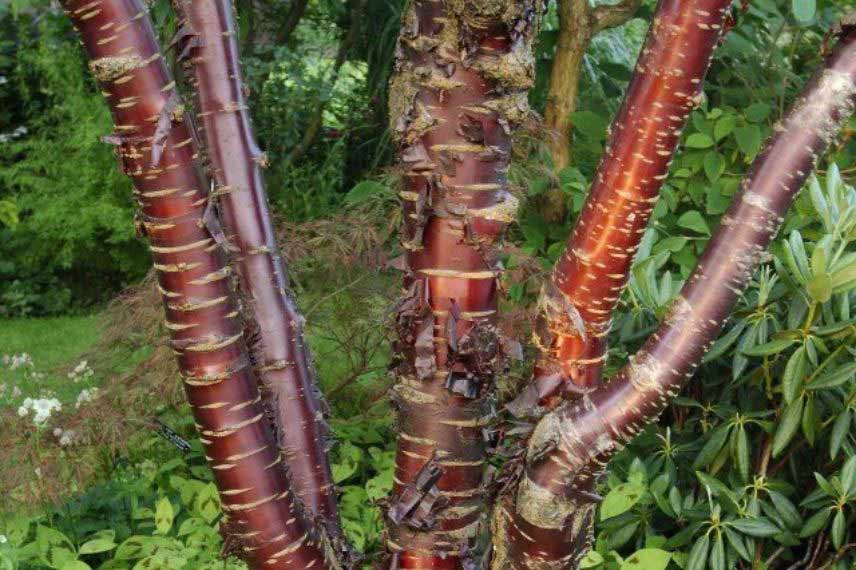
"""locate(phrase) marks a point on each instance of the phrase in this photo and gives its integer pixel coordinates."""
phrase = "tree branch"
(157, 149)
(578, 301)
(553, 504)
(209, 50)
(608, 16)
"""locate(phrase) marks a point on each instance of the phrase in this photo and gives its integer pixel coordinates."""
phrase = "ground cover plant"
(724, 440)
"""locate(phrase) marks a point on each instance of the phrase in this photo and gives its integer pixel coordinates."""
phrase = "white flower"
(86, 395)
(3, 539)
(67, 438)
(16, 392)
(57, 432)
(42, 409)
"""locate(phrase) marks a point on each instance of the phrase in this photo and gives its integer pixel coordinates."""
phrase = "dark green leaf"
(788, 426)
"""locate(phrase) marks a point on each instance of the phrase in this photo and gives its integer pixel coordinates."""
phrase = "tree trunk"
(157, 149)
(578, 300)
(547, 521)
(281, 358)
(463, 70)
(578, 24)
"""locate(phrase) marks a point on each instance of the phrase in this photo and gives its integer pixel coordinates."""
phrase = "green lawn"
(54, 344)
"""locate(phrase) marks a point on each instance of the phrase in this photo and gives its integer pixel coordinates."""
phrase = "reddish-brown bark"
(463, 69)
(156, 148)
(546, 522)
(207, 42)
(578, 301)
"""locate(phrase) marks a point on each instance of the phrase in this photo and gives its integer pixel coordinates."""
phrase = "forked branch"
(548, 518)
(264, 522)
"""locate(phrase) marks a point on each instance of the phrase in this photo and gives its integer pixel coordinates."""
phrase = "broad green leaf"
(97, 545)
(694, 221)
(820, 287)
(621, 499)
(848, 476)
(698, 554)
(773, 347)
(804, 10)
(710, 450)
(833, 378)
(699, 140)
(839, 431)
(717, 554)
(164, 514)
(788, 426)
(75, 565)
(790, 514)
(724, 127)
(760, 527)
(592, 559)
(736, 541)
(792, 378)
(757, 112)
(647, 559)
(743, 453)
(714, 165)
(748, 139)
(816, 522)
(838, 529)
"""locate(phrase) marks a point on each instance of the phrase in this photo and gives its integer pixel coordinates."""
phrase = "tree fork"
(208, 47)
(578, 300)
(263, 520)
(460, 86)
(547, 521)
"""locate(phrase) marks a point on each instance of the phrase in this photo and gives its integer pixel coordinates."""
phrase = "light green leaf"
(699, 140)
(97, 545)
(592, 559)
(164, 514)
(820, 287)
(647, 559)
(804, 10)
(621, 499)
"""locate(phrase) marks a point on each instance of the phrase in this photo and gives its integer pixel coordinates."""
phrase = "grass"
(54, 344)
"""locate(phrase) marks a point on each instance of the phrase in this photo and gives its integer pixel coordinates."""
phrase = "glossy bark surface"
(463, 70)
(578, 301)
(547, 521)
(207, 42)
(156, 148)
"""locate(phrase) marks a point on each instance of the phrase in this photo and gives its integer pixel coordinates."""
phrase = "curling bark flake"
(547, 521)
(263, 522)
(460, 87)
(207, 43)
(578, 300)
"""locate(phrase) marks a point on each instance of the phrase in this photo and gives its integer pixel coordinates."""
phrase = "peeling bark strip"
(545, 523)
(589, 277)
(207, 39)
(157, 150)
(462, 73)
